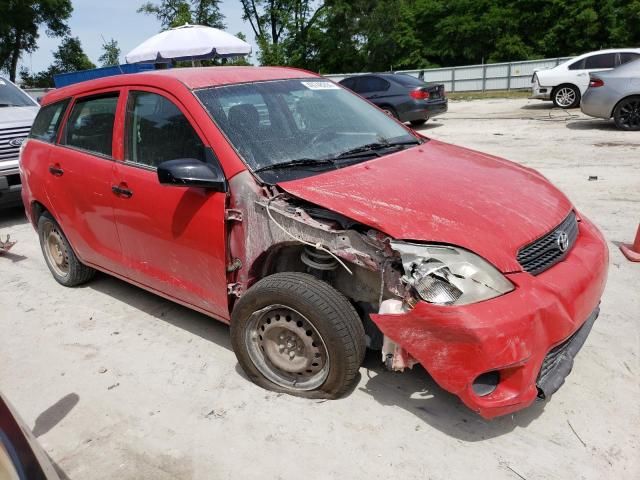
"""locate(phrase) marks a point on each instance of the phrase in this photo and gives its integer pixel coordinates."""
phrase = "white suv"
(17, 111)
(565, 83)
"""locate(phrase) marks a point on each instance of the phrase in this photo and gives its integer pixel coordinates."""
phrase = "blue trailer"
(64, 79)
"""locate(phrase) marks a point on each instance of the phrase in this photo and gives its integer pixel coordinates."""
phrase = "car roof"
(191, 78)
(609, 50)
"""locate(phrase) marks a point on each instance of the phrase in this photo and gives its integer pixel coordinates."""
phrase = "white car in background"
(566, 83)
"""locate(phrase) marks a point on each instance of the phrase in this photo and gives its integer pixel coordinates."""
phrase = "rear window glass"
(45, 126)
(603, 60)
(90, 124)
(408, 80)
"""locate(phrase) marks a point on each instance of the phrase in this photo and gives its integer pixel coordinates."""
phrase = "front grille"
(7, 151)
(545, 252)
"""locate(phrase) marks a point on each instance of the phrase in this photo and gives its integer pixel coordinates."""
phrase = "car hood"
(438, 192)
(17, 116)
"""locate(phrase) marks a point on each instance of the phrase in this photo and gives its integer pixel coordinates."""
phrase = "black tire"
(69, 271)
(626, 115)
(389, 110)
(566, 96)
(333, 318)
(417, 123)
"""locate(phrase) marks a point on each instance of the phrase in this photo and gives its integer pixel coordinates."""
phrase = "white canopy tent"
(188, 42)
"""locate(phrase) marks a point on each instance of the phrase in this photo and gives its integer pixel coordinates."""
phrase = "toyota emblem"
(563, 241)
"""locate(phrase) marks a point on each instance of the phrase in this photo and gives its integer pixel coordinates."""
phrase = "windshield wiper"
(298, 162)
(372, 149)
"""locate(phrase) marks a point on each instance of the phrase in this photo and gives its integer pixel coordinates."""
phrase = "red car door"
(173, 238)
(79, 175)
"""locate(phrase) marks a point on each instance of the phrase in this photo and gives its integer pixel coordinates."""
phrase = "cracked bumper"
(511, 334)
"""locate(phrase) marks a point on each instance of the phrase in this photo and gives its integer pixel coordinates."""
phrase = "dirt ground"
(119, 383)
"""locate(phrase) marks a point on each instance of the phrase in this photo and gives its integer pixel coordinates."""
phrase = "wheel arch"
(622, 100)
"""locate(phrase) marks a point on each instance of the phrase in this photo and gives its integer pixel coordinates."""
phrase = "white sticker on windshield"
(2, 82)
(320, 85)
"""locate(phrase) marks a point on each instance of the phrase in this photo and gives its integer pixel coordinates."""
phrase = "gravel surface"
(119, 383)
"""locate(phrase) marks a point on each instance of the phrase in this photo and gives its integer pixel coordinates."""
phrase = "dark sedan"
(407, 98)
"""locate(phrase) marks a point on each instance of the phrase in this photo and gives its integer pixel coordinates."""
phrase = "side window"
(602, 60)
(579, 65)
(45, 126)
(350, 83)
(626, 57)
(157, 131)
(90, 124)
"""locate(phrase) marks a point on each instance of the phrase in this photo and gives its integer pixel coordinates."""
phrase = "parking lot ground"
(119, 383)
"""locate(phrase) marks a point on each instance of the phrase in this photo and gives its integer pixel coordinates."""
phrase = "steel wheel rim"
(55, 250)
(287, 348)
(630, 113)
(565, 97)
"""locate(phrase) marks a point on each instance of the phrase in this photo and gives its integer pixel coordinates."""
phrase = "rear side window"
(158, 131)
(45, 126)
(371, 84)
(626, 57)
(90, 124)
(579, 65)
(350, 83)
(602, 60)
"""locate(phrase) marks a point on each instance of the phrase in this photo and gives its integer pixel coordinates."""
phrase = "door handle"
(121, 192)
(55, 170)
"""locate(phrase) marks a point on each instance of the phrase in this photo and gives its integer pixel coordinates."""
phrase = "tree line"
(353, 35)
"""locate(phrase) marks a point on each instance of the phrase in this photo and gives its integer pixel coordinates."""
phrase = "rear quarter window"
(47, 123)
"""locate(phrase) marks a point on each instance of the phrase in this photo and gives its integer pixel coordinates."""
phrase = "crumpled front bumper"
(511, 334)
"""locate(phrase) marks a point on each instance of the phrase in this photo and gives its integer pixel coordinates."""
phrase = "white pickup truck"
(566, 83)
(17, 111)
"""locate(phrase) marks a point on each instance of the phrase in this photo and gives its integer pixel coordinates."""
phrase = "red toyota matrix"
(316, 226)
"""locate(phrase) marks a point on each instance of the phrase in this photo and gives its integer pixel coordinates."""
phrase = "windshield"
(12, 96)
(308, 125)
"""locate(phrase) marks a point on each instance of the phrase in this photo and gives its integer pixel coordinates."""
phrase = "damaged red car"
(316, 226)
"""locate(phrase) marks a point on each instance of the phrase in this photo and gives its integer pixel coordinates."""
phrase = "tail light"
(596, 82)
(419, 94)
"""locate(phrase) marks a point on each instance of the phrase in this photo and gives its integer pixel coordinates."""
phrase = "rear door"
(173, 238)
(79, 174)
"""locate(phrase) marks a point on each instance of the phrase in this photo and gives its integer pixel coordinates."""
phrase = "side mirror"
(189, 172)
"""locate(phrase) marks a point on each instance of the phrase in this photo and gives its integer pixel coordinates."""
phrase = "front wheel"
(295, 334)
(626, 115)
(566, 96)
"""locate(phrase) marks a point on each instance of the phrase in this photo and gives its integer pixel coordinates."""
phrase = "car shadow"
(543, 105)
(162, 309)
(10, 217)
(416, 392)
(427, 126)
(595, 124)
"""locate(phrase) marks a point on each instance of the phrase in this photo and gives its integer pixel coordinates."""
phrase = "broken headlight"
(448, 275)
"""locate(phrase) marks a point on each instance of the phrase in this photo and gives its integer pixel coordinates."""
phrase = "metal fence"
(490, 76)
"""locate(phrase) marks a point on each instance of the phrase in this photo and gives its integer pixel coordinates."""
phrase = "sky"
(93, 19)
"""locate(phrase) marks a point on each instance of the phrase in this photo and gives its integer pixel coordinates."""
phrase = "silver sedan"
(616, 94)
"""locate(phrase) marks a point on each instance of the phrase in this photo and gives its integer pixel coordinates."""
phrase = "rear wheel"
(58, 254)
(566, 96)
(627, 113)
(295, 334)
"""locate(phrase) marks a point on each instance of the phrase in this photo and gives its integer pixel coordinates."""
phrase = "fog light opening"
(486, 383)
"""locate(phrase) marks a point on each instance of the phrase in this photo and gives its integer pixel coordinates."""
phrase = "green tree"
(110, 54)
(69, 57)
(19, 24)
(282, 28)
(174, 13)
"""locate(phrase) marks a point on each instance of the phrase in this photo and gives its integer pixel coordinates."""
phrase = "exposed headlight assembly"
(448, 275)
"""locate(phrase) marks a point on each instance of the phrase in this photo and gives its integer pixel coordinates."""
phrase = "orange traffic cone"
(632, 252)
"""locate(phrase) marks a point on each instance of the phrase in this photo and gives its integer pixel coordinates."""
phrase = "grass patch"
(489, 94)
